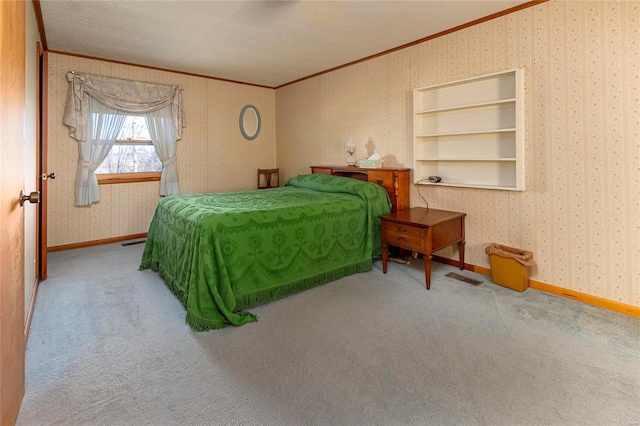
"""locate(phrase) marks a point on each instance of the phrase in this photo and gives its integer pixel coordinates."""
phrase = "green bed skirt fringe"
(273, 293)
(198, 323)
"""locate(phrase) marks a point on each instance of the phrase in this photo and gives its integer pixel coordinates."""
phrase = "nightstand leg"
(461, 245)
(427, 270)
(385, 257)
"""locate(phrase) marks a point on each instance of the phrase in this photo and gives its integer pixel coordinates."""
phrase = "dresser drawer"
(383, 178)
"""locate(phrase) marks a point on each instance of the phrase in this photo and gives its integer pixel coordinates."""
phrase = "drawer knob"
(404, 240)
(379, 181)
(402, 229)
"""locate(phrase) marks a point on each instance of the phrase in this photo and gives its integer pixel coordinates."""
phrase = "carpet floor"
(109, 345)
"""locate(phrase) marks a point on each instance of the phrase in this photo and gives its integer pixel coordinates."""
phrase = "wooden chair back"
(268, 178)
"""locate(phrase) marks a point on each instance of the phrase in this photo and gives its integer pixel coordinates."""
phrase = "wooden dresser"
(394, 180)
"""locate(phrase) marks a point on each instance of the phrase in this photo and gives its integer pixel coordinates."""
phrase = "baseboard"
(467, 266)
(481, 270)
(601, 302)
(96, 242)
(588, 299)
(27, 324)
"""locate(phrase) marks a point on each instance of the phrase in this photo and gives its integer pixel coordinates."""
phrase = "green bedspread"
(221, 253)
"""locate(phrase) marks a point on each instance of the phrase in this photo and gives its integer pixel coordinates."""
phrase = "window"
(133, 157)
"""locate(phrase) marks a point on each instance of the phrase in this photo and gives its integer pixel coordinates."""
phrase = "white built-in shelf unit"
(470, 132)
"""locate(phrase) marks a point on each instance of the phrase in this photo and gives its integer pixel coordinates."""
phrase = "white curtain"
(103, 126)
(124, 95)
(163, 135)
(118, 97)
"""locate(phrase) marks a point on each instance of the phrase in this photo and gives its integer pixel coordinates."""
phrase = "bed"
(221, 253)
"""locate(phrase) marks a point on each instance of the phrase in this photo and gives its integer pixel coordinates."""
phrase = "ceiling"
(267, 43)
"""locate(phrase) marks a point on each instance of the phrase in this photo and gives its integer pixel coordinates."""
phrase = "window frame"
(132, 177)
(113, 178)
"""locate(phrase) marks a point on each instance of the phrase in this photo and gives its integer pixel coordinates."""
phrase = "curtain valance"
(123, 95)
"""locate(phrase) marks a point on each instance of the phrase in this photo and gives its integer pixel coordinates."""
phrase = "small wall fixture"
(351, 147)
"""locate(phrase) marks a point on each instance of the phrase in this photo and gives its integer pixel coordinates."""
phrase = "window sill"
(109, 179)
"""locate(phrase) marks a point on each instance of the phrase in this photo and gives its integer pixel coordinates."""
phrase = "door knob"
(33, 197)
(48, 176)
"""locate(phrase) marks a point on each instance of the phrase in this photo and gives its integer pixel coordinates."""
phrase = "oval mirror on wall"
(250, 122)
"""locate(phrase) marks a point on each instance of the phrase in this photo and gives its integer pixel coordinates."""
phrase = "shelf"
(468, 106)
(475, 132)
(463, 185)
(470, 132)
(484, 89)
(465, 159)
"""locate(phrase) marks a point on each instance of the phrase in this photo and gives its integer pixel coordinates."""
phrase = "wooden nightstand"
(424, 231)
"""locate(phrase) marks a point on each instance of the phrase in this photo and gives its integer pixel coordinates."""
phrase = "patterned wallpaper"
(212, 155)
(580, 212)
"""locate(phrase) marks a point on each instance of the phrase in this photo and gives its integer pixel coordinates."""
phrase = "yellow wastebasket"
(510, 266)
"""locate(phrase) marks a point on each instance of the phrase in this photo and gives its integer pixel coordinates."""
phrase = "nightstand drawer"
(408, 237)
(402, 229)
(404, 241)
